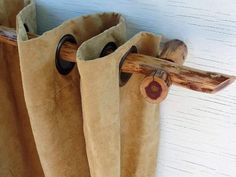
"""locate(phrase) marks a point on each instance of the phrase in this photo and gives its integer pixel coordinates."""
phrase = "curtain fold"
(121, 129)
(82, 124)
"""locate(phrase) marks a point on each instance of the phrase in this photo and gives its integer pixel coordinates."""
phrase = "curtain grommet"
(124, 77)
(26, 28)
(108, 49)
(64, 67)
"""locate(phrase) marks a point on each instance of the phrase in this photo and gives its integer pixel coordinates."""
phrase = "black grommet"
(108, 49)
(124, 77)
(26, 28)
(63, 66)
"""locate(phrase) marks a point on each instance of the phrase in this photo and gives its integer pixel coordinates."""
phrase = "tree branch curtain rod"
(167, 67)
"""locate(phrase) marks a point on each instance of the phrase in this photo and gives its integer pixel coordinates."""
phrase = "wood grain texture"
(169, 66)
(155, 86)
(191, 78)
(197, 130)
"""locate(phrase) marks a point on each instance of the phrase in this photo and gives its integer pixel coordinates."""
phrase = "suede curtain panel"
(78, 124)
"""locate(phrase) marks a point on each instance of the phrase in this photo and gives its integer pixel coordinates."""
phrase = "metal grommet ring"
(63, 66)
(124, 77)
(108, 49)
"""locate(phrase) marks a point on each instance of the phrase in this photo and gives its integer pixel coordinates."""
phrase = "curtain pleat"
(82, 124)
(121, 129)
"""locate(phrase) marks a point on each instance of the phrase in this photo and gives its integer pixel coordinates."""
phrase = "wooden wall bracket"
(169, 63)
(155, 86)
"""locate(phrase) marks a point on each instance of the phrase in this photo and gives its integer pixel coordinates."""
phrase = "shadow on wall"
(51, 14)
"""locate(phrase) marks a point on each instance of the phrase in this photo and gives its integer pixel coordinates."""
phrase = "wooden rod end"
(155, 87)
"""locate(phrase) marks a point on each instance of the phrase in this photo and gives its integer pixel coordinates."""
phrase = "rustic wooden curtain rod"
(160, 71)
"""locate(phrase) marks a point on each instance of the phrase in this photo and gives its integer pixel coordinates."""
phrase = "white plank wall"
(198, 131)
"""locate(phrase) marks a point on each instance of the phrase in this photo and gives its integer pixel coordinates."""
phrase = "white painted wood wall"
(198, 131)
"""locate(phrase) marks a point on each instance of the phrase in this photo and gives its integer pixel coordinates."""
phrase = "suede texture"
(82, 124)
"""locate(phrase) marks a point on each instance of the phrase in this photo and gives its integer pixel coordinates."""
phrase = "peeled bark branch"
(194, 79)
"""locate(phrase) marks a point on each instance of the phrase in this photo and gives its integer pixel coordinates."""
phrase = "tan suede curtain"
(82, 124)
